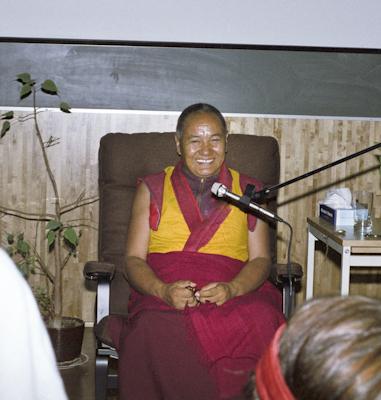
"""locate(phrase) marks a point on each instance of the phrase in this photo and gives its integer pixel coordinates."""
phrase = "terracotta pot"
(67, 340)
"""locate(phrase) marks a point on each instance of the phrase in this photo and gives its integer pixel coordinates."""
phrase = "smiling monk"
(202, 311)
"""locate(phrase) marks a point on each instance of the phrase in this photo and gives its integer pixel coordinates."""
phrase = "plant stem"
(25, 215)
(57, 247)
(84, 202)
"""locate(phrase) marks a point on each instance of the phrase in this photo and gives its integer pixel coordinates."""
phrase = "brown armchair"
(122, 159)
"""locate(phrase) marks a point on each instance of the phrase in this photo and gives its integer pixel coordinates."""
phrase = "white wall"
(332, 23)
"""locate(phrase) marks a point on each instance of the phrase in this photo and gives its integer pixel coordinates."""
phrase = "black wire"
(289, 267)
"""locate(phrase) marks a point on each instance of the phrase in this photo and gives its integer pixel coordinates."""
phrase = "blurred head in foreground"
(330, 349)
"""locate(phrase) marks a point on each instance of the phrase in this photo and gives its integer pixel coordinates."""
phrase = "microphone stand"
(262, 194)
(251, 195)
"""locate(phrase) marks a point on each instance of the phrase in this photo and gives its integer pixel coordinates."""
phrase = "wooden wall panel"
(305, 144)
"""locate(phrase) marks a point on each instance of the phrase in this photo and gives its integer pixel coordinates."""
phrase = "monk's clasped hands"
(179, 294)
(216, 292)
(182, 294)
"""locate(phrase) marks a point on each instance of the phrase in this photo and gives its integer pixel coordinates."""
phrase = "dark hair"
(198, 108)
(331, 349)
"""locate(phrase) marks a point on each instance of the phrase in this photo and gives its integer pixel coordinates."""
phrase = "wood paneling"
(305, 144)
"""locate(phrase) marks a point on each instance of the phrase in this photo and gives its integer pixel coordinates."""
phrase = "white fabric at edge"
(28, 368)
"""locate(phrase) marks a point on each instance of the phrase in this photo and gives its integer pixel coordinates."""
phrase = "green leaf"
(26, 90)
(23, 247)
(24, 78)
(65, 107)
(7, 115)
(49, 87)
(53, 225)
(71, 236)
(10, 238)
(5, 128)
(51, 236)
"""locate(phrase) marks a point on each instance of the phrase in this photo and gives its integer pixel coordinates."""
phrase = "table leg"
(345, 270)
(310, 265)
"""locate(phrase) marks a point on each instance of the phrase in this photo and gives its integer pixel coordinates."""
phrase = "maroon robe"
(205, 352)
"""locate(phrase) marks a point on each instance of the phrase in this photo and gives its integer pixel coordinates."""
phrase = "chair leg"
(101, 370)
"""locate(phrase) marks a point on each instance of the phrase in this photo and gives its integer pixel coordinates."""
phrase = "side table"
(355, 249)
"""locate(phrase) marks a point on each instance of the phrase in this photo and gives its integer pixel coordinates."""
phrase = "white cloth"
(28, 369)
(338, 198)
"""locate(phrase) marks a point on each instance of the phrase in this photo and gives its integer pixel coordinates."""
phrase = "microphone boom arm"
(261, 194)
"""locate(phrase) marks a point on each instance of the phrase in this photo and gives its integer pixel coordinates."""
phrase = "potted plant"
(62, 237)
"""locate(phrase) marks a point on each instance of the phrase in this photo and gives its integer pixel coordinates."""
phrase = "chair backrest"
(125, 157)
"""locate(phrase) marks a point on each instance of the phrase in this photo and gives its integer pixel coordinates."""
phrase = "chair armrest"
(97, 270)
(283, 271)
(102, 273)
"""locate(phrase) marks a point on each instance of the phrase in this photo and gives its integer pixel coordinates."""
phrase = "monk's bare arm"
(252, 275)
(140, 275)
(257, 269)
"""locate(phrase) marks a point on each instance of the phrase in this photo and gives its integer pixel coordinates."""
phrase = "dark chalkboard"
(168, 78)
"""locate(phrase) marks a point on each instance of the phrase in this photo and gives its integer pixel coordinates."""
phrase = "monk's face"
(202, 145)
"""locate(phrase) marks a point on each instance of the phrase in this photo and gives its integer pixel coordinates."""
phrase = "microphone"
(221, 190)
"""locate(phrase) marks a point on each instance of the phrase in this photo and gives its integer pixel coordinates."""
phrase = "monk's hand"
(216, 292)
(180, 294)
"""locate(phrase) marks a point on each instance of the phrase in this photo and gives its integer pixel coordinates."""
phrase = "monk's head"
(201, 136)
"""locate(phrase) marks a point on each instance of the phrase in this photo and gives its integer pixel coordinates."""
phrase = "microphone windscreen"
(216, 189)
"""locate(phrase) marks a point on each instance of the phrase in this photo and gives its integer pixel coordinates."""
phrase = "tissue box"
(337, 216)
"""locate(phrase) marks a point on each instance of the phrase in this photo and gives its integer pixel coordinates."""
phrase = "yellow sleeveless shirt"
(230, 239)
